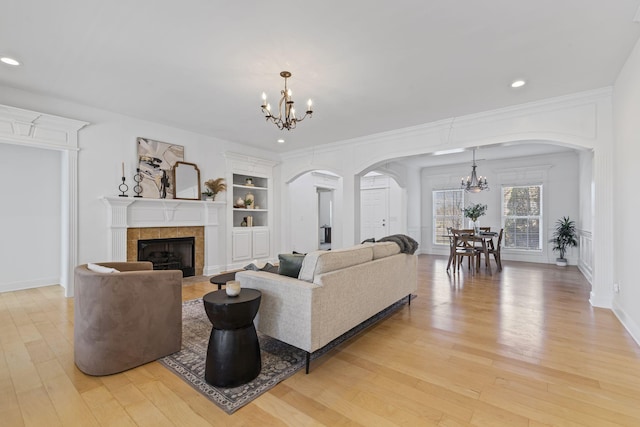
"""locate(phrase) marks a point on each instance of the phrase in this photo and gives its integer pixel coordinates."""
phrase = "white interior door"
(374, 211)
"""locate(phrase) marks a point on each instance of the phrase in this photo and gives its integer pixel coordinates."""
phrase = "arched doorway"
(314, 217)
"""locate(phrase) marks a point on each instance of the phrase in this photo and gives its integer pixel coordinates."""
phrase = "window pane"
(522, 207)
(447, 212)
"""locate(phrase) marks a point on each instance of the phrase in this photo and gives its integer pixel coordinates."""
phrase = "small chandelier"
(473, 184)
(286, 118)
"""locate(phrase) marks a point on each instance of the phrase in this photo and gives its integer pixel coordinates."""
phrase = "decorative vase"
(232, 288)
(247, 198)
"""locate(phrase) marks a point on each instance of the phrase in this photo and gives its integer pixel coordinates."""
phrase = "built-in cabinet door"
(241, 244)
(250, 243)
(261, 243)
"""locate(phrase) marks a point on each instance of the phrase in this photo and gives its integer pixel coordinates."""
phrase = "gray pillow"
(290, 264)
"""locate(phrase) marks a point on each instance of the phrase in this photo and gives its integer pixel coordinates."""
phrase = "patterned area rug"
(279, 360)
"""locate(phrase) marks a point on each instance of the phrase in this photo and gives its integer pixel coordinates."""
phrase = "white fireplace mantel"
(129, 212)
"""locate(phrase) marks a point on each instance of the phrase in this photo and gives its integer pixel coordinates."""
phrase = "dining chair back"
(452, 249)
(495, 250)
(463, 244)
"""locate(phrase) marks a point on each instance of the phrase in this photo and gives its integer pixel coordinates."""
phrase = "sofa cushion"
(290, 264)
(319, 262)
(385, 249)
(101, 269)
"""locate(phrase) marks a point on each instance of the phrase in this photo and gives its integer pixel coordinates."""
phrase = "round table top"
(227, 312)
(221, 297)
(222, 279)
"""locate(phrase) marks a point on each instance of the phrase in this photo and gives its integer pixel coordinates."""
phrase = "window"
(522, 217)
(447, 212)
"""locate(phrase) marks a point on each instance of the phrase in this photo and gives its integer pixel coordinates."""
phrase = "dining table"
(485, 238)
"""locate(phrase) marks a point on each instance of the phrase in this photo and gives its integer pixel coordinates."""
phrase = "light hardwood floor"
(519, 348)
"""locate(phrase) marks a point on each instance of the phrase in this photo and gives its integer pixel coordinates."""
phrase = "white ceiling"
(368, 66)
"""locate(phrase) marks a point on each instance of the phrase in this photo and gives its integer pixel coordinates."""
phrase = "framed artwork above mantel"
(156, 161)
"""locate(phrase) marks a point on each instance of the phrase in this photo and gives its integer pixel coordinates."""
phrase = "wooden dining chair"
(485, 229)
(463, 243)
(495, 250)
(452, 249)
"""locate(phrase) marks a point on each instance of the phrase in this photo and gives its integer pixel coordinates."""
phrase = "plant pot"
(561, 262)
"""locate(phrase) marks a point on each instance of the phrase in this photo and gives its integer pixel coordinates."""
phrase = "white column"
(602, 286)
(117, 223)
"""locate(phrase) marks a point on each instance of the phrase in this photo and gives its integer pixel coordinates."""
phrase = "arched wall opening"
(315, 211)
(582, 121)
(563, 172)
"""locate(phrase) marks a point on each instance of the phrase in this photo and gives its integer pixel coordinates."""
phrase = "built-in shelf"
(250, 187)
(249, 242)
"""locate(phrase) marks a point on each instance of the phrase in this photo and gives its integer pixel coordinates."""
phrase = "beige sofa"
(334, 292)
(127, 318)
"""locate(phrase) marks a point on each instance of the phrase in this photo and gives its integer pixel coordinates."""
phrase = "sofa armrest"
(286, 309)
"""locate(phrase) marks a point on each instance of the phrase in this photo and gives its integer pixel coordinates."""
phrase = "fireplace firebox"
(169, 254)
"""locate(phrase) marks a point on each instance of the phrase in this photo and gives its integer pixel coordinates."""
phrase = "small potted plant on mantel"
(473, 212)
(207, 195)
(563, 238)
(214, 186)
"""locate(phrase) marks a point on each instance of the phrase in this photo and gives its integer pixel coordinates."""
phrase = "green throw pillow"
(290, 264)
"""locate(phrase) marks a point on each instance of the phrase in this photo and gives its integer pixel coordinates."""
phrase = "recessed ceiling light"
(10, 61)
(518, 83)
(281, 141)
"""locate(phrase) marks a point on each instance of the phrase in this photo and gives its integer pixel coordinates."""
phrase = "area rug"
(279, 360)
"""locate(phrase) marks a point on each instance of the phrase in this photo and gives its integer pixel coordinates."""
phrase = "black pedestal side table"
(233, 354)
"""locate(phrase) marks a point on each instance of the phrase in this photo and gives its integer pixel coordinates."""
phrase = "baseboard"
(586, 272)
(210, 270)
(628, 323)
(29, 284)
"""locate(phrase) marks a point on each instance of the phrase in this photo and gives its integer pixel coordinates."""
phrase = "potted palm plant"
(563, 238)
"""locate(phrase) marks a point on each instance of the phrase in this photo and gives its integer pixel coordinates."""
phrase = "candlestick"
(138, 179)
(123, 188)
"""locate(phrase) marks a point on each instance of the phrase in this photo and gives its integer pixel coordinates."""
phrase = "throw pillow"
(259, 267)
(290, 264)
(101, 269)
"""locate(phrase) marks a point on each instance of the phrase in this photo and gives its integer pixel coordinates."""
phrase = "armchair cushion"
(101, 269)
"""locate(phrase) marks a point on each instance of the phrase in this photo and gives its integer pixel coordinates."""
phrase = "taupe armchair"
(126, 319)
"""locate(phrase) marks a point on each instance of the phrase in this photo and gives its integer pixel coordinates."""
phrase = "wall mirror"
(186, 179)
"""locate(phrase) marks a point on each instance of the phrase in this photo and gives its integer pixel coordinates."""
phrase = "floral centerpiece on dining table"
(473, 212)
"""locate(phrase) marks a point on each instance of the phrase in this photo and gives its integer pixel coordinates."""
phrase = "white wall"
(105, 143)
(626, 109)
(557, 173)
(30, 218)
(304, 223)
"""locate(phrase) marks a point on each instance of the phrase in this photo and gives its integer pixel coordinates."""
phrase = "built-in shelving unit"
(250, 231)
(258, 191)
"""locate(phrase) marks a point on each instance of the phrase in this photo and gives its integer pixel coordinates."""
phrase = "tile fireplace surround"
(130, 219)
